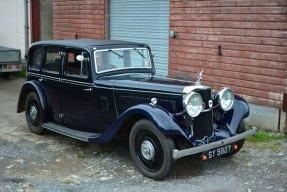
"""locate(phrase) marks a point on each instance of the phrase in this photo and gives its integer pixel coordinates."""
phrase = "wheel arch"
(33, 86)
(233, 117)
(162, 119)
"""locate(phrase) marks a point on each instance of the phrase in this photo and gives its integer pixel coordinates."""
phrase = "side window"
(52, 62)
(77, 63)
(36, 59)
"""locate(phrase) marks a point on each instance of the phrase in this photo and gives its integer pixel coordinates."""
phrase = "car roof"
(84, 43)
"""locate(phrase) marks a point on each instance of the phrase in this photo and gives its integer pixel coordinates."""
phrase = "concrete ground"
(53, 162)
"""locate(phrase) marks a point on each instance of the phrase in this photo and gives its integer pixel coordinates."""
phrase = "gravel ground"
(52, 162)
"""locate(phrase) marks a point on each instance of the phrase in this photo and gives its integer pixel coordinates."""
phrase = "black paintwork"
(103, 104)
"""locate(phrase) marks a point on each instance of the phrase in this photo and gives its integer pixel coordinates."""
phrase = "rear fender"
(162, 119)
(33, 86)
(235, 115)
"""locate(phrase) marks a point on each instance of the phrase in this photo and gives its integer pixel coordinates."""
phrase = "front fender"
(237, 113)
(161, 118)
(33, 86)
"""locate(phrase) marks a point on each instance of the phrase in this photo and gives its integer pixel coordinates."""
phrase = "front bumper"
(191, 151)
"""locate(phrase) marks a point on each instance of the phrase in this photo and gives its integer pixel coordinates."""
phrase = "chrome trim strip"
(189, 89)
(176, 154)
(179, 80)
(51, 78)
(61, 80)
(97, 86)
(77, 82)
(34, 74)
(122, 89)
(206, 110)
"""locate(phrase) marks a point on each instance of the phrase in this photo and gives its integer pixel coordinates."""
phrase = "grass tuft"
(263, 136)
(21, 73)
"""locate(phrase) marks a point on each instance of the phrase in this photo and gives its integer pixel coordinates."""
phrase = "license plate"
(219, 151)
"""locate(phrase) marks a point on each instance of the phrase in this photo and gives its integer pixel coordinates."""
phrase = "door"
(51, 78)
(35, 20)
(77, 94)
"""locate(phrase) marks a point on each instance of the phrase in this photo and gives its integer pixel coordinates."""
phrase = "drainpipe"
(279, 121)
(26, 2)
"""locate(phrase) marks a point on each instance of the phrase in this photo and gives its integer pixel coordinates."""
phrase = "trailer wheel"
(6, 75)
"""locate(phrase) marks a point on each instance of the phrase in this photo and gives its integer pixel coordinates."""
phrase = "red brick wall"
(253, 35)
(86, 18)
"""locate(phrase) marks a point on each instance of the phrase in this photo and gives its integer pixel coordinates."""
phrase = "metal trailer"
(10, 60)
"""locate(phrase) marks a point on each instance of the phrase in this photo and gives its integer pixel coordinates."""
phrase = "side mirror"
(80, 58)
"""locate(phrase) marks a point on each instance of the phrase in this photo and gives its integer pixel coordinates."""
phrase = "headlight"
(225, 99)
(193, 104)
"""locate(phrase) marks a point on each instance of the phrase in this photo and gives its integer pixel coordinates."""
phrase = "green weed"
(21, 73)
(263, 136)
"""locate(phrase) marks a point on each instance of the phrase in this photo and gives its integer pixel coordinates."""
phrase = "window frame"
(44, 60)
(66, 61)
(122, 69)
(31, 59)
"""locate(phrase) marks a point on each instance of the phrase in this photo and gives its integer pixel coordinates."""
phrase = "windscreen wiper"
(115, 53)
(140, 53)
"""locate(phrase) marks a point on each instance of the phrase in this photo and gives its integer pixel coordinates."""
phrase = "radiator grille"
(206, 96)
(203, 124)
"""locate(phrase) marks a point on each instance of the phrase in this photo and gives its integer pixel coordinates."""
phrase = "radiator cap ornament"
(199, 77)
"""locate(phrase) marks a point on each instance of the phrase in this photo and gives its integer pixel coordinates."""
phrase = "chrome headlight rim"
(187, 103)
(222, 98)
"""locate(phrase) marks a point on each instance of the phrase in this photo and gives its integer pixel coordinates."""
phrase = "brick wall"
(86, 18)
(253, 37)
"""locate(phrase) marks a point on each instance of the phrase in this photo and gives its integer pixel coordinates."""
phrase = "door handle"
(90, 89)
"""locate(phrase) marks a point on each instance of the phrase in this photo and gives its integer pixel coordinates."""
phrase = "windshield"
(115, 59)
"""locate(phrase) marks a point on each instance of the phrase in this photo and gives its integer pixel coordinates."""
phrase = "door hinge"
(61, 116)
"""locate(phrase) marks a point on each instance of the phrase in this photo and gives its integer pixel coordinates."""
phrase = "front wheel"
(150, 150)
(34, 113)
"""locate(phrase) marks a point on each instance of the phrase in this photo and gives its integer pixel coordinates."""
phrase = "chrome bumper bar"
(191, 151)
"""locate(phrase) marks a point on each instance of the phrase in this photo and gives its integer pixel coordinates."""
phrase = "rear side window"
(53, 59)
(77, 63)
(36, 59)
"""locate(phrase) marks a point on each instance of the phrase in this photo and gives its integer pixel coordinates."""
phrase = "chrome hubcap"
(147, 150)
(33, 113)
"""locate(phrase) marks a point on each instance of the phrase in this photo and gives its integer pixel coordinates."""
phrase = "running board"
(84, 136)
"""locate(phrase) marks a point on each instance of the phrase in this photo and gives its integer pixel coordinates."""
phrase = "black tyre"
(151, 150)
(241, 129)
(6, 75)
(34, 113)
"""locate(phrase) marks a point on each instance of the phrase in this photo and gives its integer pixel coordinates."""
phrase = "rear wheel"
(241, 129)
(151, 150)
(34, 113)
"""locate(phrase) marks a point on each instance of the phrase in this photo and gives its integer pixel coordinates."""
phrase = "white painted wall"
(12, 24)
(266, 118)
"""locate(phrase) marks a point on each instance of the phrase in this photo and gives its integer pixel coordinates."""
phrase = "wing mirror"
(80, 58)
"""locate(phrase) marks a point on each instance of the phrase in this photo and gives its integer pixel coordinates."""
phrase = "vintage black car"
(93, 90)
